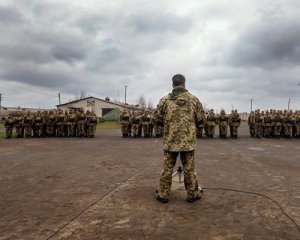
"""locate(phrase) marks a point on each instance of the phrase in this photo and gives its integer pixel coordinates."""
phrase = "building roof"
(99, 99)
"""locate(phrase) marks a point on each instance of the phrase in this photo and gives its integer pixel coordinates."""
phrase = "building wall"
(98, 108)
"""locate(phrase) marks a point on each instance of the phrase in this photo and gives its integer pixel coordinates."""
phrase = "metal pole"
(59, 98)
(289, 104)
(125, 94)
(251, 103)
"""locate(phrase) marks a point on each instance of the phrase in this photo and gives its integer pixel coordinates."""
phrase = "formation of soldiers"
(141, 124)
(225, 121)
(274, 124)
(72, 123)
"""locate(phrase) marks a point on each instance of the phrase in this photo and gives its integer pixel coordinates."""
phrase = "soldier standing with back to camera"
(179, 112)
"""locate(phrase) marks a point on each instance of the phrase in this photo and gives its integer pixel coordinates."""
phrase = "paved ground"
(44, 183)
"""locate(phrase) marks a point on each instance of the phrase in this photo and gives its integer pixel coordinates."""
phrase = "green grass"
(3, 135)
(109, 125)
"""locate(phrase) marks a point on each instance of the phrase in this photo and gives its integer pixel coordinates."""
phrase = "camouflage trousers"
(234, 130)
(223, 131)
(277, 131)
(258, 130)
(71, 129)
(158, 131)
(51, 130)
(8, 131)
(252, 129)
(210, 131)
(267, 131)
(146, 130)
(81, 130)
(199, 133)
(288, 131)
(189, 171)
(38, 130)
(19, 132)
(28, 131)
(135, 129)
(125, 128)
(298, 130)
(92, 129)
(60, 129)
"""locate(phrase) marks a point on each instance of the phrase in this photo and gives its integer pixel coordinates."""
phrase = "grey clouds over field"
(229, 51)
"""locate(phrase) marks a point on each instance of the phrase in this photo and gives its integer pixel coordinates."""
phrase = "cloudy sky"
(229, 51)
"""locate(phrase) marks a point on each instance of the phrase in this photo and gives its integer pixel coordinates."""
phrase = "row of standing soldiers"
(140, 124)
(72, 123)
(210, 120)
(274, 123)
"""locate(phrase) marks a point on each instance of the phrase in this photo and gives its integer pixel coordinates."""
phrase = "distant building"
(100, 106)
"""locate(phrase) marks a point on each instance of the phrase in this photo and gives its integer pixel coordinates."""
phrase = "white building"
(99, 106)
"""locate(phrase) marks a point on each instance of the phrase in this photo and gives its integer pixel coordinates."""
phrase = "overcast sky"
(229, 51)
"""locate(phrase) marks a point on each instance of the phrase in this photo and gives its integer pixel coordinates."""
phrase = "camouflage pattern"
(267, 124)
(223, 124)
(50, 124)
(125, 120)
(135, 123)
(145, 121)
(60, 123)
(39, 124)
(190, 175)
(81, 120)
(211, 120)
(28, 121)
(201, 125)
(258, 119)
(234, 123)
(9, 125)
(91, 122)
(251, 124)
(179, 113)
(18, 123)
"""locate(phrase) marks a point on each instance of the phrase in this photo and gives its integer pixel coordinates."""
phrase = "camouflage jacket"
(179, 113)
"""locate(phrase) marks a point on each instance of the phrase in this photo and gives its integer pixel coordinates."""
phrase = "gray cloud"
(271, 45)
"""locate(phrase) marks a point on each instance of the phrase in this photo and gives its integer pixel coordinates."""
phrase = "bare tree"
(142, 101)
(83, 94)
(150, 104)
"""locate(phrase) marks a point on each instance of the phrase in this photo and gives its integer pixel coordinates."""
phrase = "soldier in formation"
(72, 123)
(274, 124)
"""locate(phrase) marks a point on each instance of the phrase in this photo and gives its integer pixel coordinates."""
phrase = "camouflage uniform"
(288, 124)
(60, 122)
(267, 125)
(9, 125)
(251, 124)
(223, 124)
(135, 123)
(71, 121)
(81, 122)
(27, 124)
(258, 124)
(179, 113)
(234, 123)
(19, 125)
(201, 125)
(211, 123)
(39, 123)
(91, 122)
(51, 119)
(125, 119)
(145, 122)
(278, 119)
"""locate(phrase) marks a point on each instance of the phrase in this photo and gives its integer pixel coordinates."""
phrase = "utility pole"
(289, 102)
(125, 93)
(251, 103)
(59, 98)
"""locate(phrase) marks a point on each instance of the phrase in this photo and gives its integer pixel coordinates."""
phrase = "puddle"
(256, 148)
